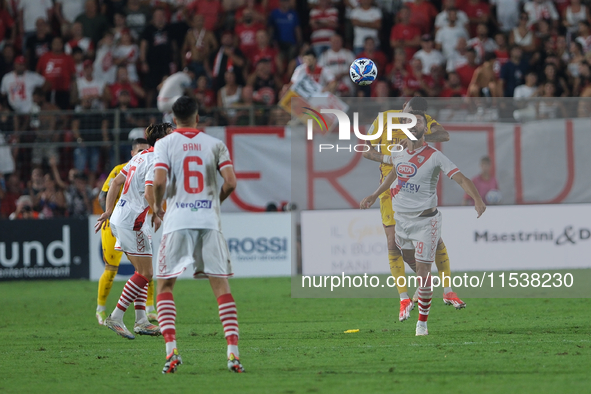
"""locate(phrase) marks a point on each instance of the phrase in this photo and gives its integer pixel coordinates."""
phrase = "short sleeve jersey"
(397, 135)
(132, 209)
(192, 160)
(417, 171)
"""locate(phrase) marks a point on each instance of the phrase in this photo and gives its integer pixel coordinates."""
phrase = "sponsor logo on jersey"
(195, 205)
(406, 170)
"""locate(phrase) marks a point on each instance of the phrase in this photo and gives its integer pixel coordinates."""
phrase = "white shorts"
(205, 249)
(164, 104)
(419, 233)
(133, 243)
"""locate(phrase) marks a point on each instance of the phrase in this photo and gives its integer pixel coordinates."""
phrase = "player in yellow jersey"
(112, 257)
(435, 133)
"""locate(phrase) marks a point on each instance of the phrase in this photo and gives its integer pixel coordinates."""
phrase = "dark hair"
(488, 56)
(76, 50)
(485, 159)
(419, 113)
(139, 141)
(310, 52)
(154, 132)
(184, 108)
(418, 104)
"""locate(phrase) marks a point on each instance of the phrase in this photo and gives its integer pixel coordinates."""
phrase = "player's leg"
(425, 293)
(167, 319)
(111, 258)
(395, 259)
(174, 255)
(213, 259)
(443, 267)
(425, 233)
(137, 247)
(143, 265)
(150, 309)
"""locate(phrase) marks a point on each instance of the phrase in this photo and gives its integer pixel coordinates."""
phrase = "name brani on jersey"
(192, 160)
(415, 188)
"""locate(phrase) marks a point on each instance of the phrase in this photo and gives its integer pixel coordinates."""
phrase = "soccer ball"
(493, 197)
(363, 71)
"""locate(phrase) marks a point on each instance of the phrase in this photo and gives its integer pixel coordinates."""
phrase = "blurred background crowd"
(72, 71)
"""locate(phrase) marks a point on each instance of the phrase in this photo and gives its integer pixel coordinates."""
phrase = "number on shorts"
(192, 174)
(128, 179)
(419, 247)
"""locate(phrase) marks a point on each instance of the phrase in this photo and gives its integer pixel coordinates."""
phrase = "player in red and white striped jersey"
(133, 233)
(187, 165)
(414, 201)
(324, 19)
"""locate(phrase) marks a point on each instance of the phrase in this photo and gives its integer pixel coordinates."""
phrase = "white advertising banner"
(260, 245)
(337, 241)
(504, 238)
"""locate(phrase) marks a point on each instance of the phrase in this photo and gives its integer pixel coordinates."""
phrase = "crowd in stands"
(91, 55)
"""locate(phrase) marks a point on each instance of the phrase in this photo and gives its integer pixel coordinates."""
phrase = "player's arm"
(158, 191)
(369, 200)
(110, 201)
(438, 133)
(471, 190)
(229, 184)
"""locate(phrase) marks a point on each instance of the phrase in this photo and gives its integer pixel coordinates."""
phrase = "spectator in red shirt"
(478, 12)
(369, 51)
(422, 15)
(257, 10)
(264, 51)
(211, 11)
(466, 71)
(397, 71)
(113, 91)
(416, 82)
(453, 87)
(59, 70)
(246, 32)
(324, 19)
(405, 35)
(7, 27)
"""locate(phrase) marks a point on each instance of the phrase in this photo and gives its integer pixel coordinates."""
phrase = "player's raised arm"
(369, 200)
(471, 190)
(111, 198)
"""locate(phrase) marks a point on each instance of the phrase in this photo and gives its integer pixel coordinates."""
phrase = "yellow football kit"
(111, 256)
(384, 145)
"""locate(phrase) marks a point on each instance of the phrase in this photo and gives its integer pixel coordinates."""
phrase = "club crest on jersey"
(406, 170)
(421, 159)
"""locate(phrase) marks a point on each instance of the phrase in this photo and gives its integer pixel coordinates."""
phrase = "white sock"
(404, 296)
(233, 349)
(170, 346)
(421, 323)
(446, 290)
(117, 314)
(140, 315)
(150, 308)
(100, 308)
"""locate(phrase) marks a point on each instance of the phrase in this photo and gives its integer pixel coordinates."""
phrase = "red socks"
(228, 316)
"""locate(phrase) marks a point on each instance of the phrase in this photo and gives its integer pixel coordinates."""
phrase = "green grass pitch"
(51, 343)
